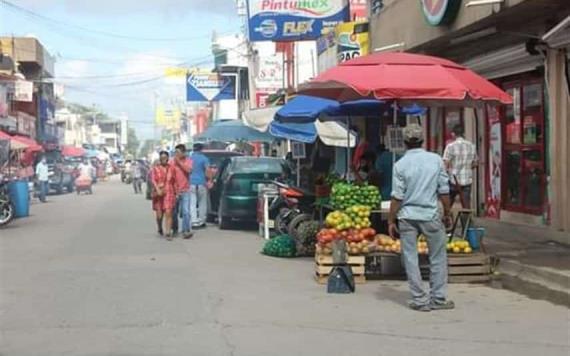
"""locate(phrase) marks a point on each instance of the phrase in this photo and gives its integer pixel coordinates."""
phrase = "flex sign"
(293, 20)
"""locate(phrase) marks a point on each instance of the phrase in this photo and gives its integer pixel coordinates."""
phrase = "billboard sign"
(270, 73)
(293, 20)
(261, 99)
(207, 86)
(325, 42)
(352, 40)
(24, 91)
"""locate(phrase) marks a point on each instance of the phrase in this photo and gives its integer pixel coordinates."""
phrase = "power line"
(30, 13)
(199, 61)
(92, 42)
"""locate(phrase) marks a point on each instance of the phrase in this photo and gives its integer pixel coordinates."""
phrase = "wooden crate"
(469, 268)
(463, 268)
(324, 266)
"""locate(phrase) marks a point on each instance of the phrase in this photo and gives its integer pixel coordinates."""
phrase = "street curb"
(535, 282)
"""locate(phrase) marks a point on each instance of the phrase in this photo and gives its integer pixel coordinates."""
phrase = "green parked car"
(234, 194)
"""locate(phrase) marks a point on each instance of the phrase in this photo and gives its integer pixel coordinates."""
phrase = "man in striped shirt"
(460, 157)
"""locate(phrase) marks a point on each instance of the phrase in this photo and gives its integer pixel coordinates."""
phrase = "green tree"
(133, 142)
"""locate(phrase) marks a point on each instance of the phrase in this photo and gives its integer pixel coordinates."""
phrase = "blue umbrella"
(362, 107)
(91, 153)
(414, 110)
(303, 109)
(232, 131)
(303, 132)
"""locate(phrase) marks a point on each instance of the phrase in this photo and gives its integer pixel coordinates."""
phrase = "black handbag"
(341, 280)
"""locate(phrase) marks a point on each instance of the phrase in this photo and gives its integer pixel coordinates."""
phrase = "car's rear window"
(258, 165)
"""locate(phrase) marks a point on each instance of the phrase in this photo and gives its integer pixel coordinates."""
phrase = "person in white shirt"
(460, 157)
(136, 172)
(42, 176)
(86, 169)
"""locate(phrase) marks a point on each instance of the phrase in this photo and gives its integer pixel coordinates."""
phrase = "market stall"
(398, 79)
(403, 78)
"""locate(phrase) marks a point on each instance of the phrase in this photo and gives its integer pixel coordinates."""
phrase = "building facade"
(27, 68)
(522, 46)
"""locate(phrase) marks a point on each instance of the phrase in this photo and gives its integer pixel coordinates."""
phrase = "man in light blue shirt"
(419, 179)
(198, 189)
(42, 176)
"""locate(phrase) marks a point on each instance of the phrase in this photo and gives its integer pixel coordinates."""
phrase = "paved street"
(87, 276)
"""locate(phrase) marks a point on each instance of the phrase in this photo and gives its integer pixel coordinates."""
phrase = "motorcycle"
(292, 207)
(6, 206)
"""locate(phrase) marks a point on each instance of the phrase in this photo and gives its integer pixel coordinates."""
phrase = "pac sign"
(440, 12)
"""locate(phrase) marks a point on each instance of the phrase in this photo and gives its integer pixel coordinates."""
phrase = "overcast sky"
(106, 50)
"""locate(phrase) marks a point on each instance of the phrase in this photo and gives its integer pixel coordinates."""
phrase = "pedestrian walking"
(42, 176)
(163, 195)
(181, 167)
(198, 189)
(419, 178)
(137, 174)
(460, 157)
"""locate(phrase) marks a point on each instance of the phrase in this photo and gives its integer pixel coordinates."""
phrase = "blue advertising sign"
(293, 20)
(208, 86)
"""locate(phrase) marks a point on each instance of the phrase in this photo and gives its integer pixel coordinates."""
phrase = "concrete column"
(559, 117)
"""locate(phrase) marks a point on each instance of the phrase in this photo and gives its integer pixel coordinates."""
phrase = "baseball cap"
(413, 133)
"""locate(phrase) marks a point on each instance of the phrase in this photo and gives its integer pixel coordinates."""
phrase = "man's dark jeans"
(465, 192)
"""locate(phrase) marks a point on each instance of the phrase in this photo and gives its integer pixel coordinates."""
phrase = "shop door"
(524, 178)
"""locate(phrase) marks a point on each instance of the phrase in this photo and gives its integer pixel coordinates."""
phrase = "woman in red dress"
(163, 194)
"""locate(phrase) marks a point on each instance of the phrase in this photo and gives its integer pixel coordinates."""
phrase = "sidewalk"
(530, 261)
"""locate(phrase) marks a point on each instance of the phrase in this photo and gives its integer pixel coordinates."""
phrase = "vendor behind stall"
(366, 171)
(384, 165)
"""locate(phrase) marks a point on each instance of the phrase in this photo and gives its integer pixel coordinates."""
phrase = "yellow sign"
(352, 40)
(175, 72)
(168, 118)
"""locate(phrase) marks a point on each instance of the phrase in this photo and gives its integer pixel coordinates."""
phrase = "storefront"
(520, 178)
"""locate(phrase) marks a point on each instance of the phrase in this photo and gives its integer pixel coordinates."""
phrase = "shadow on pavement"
(396, 295)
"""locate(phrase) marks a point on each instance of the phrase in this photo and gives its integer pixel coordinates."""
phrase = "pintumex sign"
(293, 20)
(440, 12)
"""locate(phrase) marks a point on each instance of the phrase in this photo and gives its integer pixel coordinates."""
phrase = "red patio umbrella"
(72, 151)
(15, 145)
(33, 146)
(405, 76)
